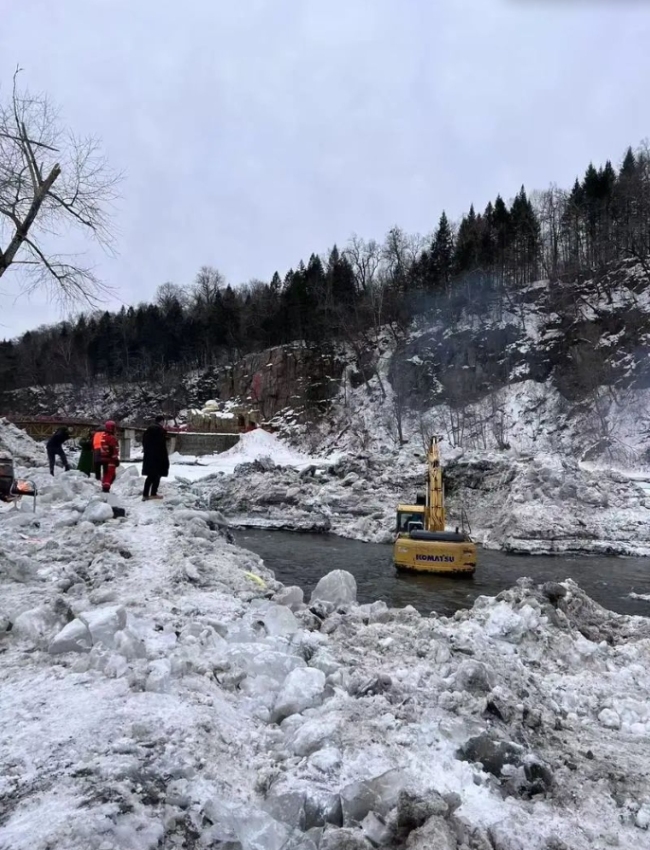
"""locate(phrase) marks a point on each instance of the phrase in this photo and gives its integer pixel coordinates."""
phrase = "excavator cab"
(409, 517)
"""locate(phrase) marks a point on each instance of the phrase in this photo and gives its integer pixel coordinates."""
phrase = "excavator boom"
(435, 512)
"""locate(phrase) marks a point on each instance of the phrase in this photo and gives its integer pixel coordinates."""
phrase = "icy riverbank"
(161, 689)
(525, 503)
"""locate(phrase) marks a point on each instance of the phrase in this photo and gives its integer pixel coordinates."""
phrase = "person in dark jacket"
(155, 462)
(86, 460)
(54, 447)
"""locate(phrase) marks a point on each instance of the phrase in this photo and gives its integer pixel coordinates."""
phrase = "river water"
(303, 559)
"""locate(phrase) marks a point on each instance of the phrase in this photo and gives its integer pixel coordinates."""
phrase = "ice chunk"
(66, 519)
(98, 512)
(377, 795)
(88, 630)
(38, 624)
(326, 760)
(17, 568)
(159, 676)
(473, 676)
(313, 734)
(75, 637)
(375, 829)
(257, 660)
(323, 660)
(345, 839)
(610, 719)
(260, 831)
(287, 808)
(322, 807)
(279, 620)
(414, 811)
(338, 587)
(292, 597)
(103, 623)
(437, 833)
(302, 689)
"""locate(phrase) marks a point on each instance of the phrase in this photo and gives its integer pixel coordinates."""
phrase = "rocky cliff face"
(277, 378)
(579, 336)
(272, 380)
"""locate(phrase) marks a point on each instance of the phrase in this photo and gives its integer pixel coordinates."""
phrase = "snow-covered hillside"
(161, 689)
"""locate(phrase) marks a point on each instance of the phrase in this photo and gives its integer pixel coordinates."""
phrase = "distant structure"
(228, 419)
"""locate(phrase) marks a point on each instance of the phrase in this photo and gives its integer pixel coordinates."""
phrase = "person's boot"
(145, 498)
(156, 497)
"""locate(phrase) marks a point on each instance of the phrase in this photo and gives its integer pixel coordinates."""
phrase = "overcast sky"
(255, 132)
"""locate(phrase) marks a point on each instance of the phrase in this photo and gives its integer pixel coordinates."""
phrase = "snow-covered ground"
(160, 689)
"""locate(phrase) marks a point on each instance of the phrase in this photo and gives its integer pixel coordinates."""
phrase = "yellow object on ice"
(422, 541)
(259, 580)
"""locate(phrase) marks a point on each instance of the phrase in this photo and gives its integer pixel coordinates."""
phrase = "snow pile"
(546, 504)
(18, 445)
(354, 497)
(253, 446)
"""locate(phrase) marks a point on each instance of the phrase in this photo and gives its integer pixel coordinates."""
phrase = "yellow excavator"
(422, 542)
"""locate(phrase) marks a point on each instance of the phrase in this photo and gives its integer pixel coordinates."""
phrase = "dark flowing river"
(303, 559)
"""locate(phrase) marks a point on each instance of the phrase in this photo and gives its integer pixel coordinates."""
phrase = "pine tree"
(442, 256)
(467, 252)
(626, 203)
(573, 229)
(525, 240)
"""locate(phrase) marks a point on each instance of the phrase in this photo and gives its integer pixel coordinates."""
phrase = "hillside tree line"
(481, 264)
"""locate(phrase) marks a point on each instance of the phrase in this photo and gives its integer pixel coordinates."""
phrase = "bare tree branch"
(67, 183)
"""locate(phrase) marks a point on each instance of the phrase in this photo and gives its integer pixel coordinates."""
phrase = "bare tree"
(49, 181)
(169, 294)
(550, 206)
(365, 259)
(207, 286)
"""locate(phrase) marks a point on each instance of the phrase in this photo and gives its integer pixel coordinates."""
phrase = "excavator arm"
(435, 506)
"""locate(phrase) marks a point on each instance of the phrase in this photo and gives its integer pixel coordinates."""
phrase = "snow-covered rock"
(97, 512)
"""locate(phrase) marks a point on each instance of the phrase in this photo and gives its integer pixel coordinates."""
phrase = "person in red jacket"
(110, 456)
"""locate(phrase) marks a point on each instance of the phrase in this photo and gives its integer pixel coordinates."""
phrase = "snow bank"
(160, 688)
(18, 445)
(546, 504)
(352, 497)
(255, 445)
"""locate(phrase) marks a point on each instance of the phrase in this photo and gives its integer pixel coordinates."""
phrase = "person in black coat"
(54, 447)
(155, 463)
